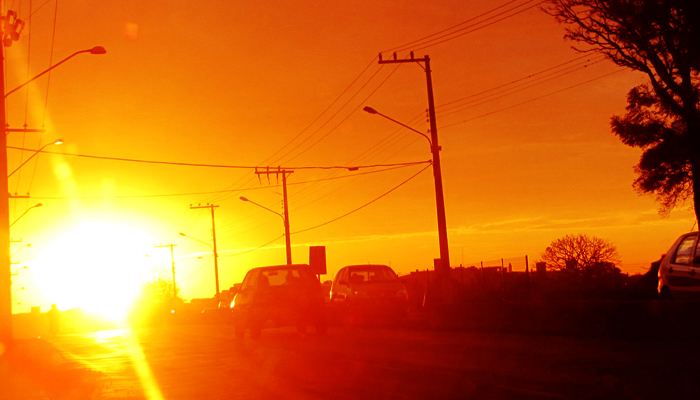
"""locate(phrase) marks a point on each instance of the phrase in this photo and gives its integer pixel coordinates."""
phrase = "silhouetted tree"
(590, 255)
(155, 299)
(660, 38)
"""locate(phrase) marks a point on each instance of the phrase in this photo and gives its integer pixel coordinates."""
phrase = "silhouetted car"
(283, 294)
(369, 289)
(679, 272)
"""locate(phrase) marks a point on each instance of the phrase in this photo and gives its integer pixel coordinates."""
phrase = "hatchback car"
(283, 295)
(679, 271)
(369, 288)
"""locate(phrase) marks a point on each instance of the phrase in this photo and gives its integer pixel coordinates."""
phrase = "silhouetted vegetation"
(590, 256)
(155, 301)
(660, 38)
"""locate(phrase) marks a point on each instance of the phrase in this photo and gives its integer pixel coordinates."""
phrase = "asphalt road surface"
(206, 362)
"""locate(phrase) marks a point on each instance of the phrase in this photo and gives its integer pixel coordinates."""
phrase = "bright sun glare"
(98, 267)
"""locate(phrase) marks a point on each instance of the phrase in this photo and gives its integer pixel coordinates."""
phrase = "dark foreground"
(206, 362)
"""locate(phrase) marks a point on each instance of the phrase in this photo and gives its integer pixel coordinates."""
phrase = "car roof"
(283, 266)
(368, 266)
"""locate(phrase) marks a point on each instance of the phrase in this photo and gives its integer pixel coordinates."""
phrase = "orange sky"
(237, 83)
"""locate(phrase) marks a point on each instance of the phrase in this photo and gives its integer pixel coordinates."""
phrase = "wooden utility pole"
(444, 272)
(172, 260)
(216, 255)
(284, 172)
(10, 27)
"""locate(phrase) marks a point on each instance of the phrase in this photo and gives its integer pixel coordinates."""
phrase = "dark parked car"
(282, 295)
(679, 272)
(371, 289)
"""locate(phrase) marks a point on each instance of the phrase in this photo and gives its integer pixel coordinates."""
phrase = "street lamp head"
(243, 198)
(38, 205)
(370, 110)
(58, 141)
(182, 234)
(98, 50)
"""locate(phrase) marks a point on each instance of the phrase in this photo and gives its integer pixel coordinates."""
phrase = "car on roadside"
(372, 290)
(278, 295)
(679, 271)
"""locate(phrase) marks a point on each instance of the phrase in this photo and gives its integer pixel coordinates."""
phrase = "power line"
(346, 118)
(448, 37)
(364, 205)
(516, 81)
(208, 165)
(441, 36)
(229, 190)
(407, 45)
(504, 93)
(337, 218)
(534, 99)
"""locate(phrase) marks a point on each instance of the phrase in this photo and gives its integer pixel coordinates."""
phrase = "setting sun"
(98, 267)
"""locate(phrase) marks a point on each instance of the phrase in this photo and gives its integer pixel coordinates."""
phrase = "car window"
(696, 260)
(342, 276)
(286, 276)
(684, 252)
(250, 280)
(372, 274)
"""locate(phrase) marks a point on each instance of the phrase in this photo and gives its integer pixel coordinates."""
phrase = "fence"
(514, 279)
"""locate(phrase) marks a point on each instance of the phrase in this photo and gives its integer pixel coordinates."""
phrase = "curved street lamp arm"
(94, 50)
(196, 240)
(373, 111)
(24, 213)
(32, 156)
(261, 206)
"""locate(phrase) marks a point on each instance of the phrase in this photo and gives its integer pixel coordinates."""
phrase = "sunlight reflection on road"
(118, 355)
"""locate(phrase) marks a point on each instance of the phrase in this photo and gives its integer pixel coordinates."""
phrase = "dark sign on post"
(317, 259)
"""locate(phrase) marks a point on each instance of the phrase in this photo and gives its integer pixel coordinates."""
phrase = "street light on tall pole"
(56, 142)
(25, 212)
(216, 263)
(435, 148)
(288, 241)
(94, 50)
(10, 28)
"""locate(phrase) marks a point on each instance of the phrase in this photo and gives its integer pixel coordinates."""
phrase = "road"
(206, 362)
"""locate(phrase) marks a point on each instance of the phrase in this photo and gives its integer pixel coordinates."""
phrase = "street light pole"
(5, 263)
(25, 212)
(94, 50)
(216, 255)
(10, 28)
(444, 273)
(56, 142)
(285, 220)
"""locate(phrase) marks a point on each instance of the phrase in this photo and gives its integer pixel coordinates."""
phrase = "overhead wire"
(48, 85)
(175, 163)
(535, 99)
(407, 45)
(391, 168)
(341, 216)
(335, 114)
(452, 36)
(524, 78)
(453, 33)
(508, 92)
(271, 157)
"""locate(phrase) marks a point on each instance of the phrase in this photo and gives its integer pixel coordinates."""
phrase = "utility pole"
(172, 260)
(216, 255)
(10, 28)
(284, 173)
(444, 273)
